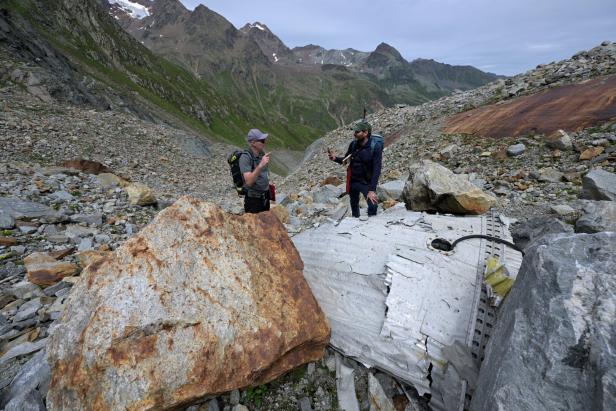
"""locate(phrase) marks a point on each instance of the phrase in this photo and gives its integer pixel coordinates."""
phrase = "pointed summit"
(384, 55)
(275, 50)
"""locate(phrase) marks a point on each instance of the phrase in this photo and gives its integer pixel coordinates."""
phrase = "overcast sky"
(500, 36)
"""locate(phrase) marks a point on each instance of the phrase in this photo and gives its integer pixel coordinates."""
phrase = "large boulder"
(599, 185)
(432, 187)
(199, 302)
(598, 216)
(552, 347)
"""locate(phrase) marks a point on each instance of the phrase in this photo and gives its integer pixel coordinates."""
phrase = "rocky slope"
(75, 215)
(521, 182)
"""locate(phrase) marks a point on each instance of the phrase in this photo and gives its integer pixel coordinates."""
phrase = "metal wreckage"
(404, 297)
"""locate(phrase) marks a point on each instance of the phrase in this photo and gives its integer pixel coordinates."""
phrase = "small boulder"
(598, 216)
(591, 153)
(599, 184)
(140, 194)
(550, 175)
(326, 192)
(6, 220)
(109, 180)
(516, 150)
(391, 190)
(42, 269)
(331, 180)
(18, 209)
(559, 140)
(7, 241)
(527, 232)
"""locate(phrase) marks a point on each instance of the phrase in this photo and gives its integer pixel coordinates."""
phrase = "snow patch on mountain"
(258, 26)
(135, 10)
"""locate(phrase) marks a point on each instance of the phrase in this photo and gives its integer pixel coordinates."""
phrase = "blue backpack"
(374, 140)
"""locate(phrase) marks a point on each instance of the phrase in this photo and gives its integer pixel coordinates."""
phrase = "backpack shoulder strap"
(378, 139)
(253, 160)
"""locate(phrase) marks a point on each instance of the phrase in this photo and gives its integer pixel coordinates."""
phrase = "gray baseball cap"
(255, 135)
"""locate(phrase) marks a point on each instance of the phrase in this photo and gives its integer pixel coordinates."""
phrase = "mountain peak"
(384, 56)
(255, 26)
(388, 50)
(275, 50)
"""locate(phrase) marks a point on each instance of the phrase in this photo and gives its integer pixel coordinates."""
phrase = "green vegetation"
(295, 106)
(256, 394)
(7, 232)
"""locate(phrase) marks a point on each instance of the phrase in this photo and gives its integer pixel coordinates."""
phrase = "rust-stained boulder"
(432, 187)
(199, 302)
(43, 269)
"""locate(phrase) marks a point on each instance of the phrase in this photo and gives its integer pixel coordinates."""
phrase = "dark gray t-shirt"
(246, 166)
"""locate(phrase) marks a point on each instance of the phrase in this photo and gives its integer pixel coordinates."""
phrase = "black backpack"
(236, 173)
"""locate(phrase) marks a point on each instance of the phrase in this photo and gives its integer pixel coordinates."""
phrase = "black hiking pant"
(254, 204)
(354, 191)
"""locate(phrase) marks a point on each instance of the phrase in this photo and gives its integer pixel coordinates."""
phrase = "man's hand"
(264, 160)
(372, 197)
(331, 154)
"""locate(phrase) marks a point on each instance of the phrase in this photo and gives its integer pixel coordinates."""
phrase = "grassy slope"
(112, 57)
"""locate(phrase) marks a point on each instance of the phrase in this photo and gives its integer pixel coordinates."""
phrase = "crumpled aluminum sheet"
(393, 302)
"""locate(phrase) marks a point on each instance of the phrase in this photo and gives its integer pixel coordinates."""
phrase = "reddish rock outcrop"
(198, 303)
(87, 166)
(570, 107)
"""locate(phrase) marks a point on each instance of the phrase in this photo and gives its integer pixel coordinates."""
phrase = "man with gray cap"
(256, 175)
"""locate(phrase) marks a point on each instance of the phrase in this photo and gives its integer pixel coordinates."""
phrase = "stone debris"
(46, 207)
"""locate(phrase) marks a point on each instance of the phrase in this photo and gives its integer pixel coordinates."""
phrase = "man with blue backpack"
(363, 159)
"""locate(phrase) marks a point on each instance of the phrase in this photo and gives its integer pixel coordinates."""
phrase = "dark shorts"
(256, 203)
